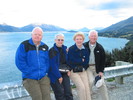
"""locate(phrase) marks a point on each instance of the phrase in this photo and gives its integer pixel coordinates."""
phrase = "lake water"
(10, 41)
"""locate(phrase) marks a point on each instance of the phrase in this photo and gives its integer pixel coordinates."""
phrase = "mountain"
(8, 28)
(121, 29)
(98, 28)
(84, 29)
(45, 27)
(28, 28)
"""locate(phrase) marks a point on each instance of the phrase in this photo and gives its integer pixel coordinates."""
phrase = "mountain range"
(123, 29)
(28, 28)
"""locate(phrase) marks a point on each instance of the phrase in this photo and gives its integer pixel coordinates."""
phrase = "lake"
(11, 40)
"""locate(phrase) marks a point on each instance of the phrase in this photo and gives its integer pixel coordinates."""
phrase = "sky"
(68, 14)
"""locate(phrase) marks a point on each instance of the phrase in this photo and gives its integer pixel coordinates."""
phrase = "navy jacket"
(32, 64)
(54, 55)
(76, 55)
(99, 56)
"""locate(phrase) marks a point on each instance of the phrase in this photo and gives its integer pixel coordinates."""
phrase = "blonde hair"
(78, 34)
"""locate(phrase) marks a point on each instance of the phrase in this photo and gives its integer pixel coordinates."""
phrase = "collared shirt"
(81, 47)
(92, 56)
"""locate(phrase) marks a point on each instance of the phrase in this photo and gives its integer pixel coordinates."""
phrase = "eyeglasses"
(60, 39)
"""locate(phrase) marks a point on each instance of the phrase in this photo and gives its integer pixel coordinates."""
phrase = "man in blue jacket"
(33, 61)
(60, 81)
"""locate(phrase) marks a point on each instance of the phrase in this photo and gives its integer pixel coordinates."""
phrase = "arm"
(100, 58)
(102, 62)
(21, 61)
(86, 58)
(54, 68)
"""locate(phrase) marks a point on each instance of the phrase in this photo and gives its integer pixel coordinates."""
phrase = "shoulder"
(99, 47)
(64, 47)
(45, 46)
(72, 47)
(25, 42)
(52, 52)
(86, 44)
(51, 49)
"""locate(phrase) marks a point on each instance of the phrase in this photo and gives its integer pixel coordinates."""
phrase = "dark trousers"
(62, 91)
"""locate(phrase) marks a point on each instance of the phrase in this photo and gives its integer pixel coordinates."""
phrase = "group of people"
(42, 67)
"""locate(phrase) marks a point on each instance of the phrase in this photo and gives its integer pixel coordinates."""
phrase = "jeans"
(38, 89)
(62, 91)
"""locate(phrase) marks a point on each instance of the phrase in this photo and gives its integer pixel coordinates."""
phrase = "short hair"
(59, 34)
(92, 31)
(35, 28)
(78, 34)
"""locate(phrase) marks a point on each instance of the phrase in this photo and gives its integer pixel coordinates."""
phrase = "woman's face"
(79, 40)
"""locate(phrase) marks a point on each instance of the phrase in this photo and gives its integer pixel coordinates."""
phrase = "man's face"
(37, 36)
(59, 41)
(93, 38)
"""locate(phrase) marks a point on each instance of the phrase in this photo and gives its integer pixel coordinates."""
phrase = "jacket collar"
(32, 43)
(63, 47)
(76, 48)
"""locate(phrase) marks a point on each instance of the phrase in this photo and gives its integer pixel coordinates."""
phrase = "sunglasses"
(60, 39)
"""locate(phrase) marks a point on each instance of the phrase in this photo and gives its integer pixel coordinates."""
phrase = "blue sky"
(68, 14)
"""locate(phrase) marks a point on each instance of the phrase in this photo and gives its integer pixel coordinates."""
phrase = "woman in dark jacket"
(78, 59)
(60, 81)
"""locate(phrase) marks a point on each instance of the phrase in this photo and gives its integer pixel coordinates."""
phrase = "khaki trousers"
(103, 93)
(38, 89)
(81, 81)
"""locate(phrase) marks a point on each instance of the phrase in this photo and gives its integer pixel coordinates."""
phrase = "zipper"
(37, 49)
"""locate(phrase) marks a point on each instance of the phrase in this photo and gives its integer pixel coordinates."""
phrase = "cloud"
(114, 5)
(69, 14)
(106, 4)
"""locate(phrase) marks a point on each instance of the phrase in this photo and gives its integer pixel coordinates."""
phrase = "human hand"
(69, 73)
(67, 49)
(60, 80)
(83, 59)
(100, 74)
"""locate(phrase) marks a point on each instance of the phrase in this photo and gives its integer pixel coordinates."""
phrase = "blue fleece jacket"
(32, 63)
(76, 55)
(54, 55)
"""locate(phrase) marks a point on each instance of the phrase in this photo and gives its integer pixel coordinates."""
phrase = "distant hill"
(121, 29)
(98, 28)
(8, 28)
(79, 30)
(28, 28)
(84, 29)
(45, 27)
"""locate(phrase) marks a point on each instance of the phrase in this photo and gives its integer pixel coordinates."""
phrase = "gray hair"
(37, 28)
(59, 34)
(92, 31)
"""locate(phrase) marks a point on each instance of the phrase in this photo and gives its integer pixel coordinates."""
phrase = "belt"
(91, 64)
